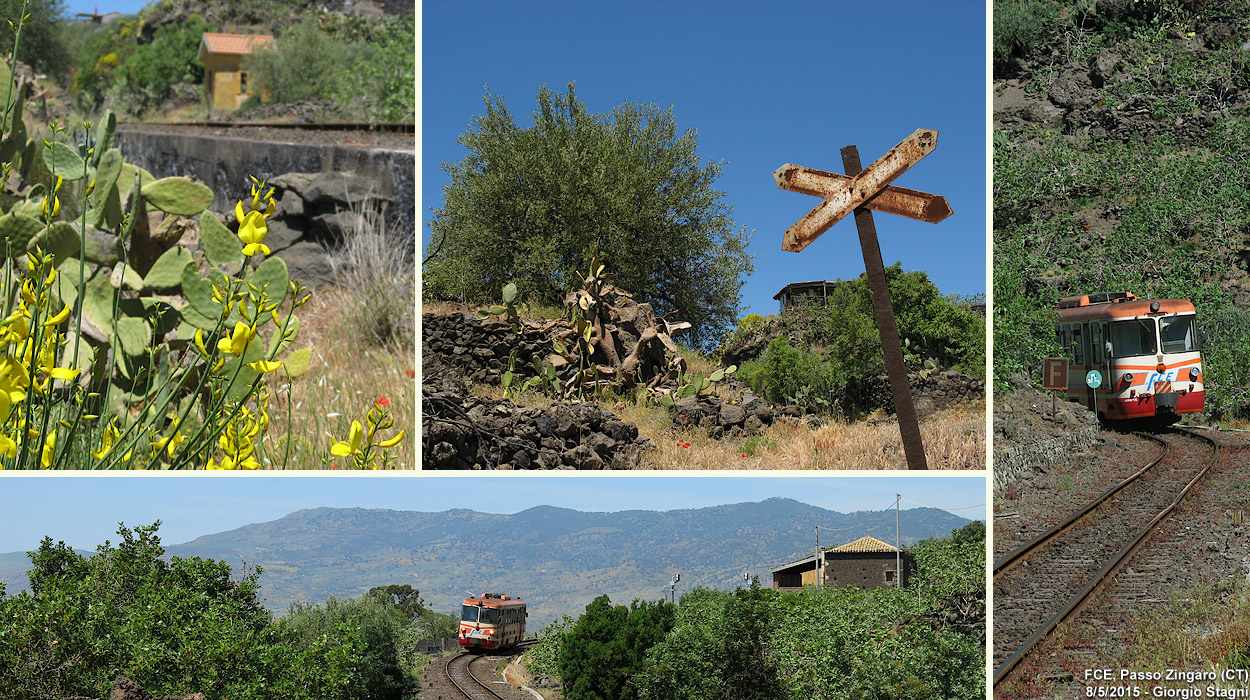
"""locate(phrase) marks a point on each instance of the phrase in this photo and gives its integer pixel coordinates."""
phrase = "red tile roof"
(237, 44)
(865, 544)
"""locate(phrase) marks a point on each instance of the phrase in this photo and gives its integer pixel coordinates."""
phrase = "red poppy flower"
(411, 373)
(383, 402)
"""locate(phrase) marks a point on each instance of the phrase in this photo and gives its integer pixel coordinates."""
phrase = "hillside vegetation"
(186, 625)
(1120, 149)
(356, 60)
(923, 641)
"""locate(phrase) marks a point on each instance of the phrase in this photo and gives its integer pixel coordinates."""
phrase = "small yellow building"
(222, 56)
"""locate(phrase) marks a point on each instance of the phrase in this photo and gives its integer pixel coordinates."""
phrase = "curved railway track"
(459, 672)
(1048, 580)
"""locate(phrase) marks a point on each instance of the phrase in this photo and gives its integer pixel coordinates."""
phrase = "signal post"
(860, 191)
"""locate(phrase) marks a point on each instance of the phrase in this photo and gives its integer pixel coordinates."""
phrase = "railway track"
(401, 127)
(475, 684)
(1048, 580)
(325, 133)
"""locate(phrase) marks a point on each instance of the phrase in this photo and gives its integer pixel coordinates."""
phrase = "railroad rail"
(398, 127)
(458, 672)
(1063, 558)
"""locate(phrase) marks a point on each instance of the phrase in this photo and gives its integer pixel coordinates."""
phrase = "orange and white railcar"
(1147, 351)
(492, 621)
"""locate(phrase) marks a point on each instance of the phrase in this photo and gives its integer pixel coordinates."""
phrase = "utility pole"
(898, 549)
(820, 582)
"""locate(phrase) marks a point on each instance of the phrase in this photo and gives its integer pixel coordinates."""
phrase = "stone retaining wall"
(1010, 463)
(223, 163)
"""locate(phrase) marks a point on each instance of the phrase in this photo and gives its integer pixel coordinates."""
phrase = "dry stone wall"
(462, 431)
(320, 188)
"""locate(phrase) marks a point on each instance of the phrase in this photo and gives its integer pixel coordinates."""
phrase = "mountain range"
(557, 559)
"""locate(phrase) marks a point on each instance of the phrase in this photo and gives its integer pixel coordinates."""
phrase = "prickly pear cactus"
(137, 289)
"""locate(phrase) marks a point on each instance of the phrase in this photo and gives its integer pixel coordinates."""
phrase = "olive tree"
(533, 205)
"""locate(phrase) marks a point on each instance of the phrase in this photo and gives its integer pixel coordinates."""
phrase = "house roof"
(235, 44)
(794, 286)
(865, 544)
(809, 562)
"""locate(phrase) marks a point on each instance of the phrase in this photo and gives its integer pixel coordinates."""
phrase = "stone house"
(866, 562)
(222, 55)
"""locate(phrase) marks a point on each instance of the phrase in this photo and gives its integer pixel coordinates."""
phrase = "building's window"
(243, 82)
(889, 575)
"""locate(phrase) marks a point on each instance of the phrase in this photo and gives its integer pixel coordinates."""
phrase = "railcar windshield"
(1134, 337)
(468, 613)
(490, 616)
(1178, 334)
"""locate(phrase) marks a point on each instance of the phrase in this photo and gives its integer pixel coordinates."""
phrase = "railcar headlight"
(1128, 377)
(1161, 368)
(1193, 374)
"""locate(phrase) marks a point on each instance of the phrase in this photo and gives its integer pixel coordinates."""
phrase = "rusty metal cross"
(862, 190)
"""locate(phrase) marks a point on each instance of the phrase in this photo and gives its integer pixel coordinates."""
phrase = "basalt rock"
(462, 431)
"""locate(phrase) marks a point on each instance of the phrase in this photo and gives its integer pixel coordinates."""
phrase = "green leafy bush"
(44, 34)
(544, 658)
(174, 627)
(835, 642)
(304, 64)
(379, 82)
(607, 646)
(936, 332)
(1020, 27)
(152, 70)
(375, 622)
(624, 186)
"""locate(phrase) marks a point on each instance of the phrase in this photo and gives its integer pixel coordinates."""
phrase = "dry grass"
(346, 377)
(953, 438)
(375, 266)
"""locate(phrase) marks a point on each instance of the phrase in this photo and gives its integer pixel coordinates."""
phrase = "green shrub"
(607, 646)
(379, 83)
(543, 658)
(174, 627)
(1020, 26)
(658, 217)
(151, 71)
(304, 64)
(375, 623)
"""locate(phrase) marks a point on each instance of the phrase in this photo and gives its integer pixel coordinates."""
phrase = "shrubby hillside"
(1120, 146)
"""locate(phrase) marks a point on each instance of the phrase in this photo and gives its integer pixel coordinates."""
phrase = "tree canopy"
(184, 625)
(532, 205)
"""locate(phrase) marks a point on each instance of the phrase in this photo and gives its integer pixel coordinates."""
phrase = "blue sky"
(764, 85)
(126, 7)
(83, 511)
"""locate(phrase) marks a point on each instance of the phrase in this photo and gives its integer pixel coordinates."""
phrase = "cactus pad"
(199, 293)
(220, 245)
(64, 161)
(178, 195)
(167, 270)
(16, 232)
(135, 335)
(271, 276)
(296, 363)
(60, 239)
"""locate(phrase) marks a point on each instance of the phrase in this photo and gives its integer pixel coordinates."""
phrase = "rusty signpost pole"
(895, 367)
(860, 191)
